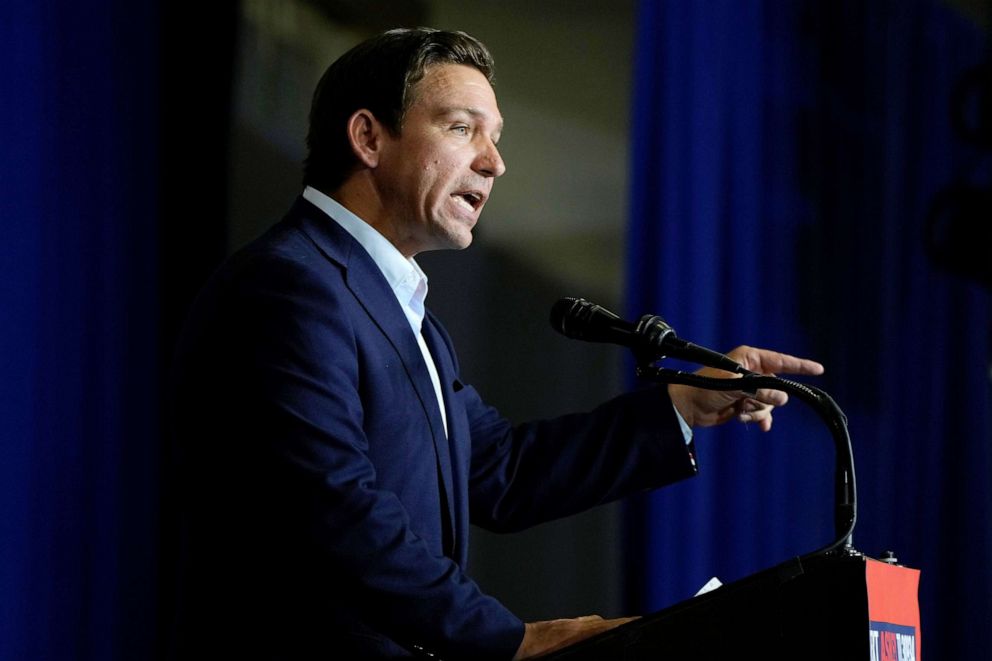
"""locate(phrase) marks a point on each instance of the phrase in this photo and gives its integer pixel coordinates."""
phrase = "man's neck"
(360, 196)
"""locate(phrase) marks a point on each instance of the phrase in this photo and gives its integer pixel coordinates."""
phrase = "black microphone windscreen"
(560, 313)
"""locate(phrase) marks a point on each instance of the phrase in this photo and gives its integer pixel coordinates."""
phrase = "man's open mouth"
(470, 199)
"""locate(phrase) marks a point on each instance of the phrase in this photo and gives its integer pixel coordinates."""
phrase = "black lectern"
(813, 608)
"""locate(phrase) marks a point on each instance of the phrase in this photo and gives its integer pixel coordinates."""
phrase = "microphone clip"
(653, 332)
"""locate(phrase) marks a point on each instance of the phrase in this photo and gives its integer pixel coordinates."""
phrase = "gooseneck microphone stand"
(845, 506)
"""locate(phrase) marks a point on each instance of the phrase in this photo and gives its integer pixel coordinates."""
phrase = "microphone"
(650, 338)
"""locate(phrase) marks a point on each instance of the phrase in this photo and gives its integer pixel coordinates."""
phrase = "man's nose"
(489, 162)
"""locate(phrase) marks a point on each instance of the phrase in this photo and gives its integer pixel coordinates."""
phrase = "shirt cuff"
(686, 429)
(687, 435)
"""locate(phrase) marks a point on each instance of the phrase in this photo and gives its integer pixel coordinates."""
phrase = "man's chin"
(447, 243)
(455, 240)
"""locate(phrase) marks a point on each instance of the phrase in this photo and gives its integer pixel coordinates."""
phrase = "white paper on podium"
(711, 584)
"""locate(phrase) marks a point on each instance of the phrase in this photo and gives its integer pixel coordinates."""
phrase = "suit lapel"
(371, 290)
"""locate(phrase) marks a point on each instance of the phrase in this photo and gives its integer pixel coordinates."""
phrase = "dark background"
(143, 142)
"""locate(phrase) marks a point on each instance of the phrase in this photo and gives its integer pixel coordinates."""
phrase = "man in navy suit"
(332, 456)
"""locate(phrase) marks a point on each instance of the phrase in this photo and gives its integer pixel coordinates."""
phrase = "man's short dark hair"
(379, 74)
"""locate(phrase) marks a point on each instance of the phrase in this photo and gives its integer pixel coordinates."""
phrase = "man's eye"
(460, 129)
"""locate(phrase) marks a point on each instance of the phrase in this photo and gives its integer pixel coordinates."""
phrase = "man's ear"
(366, 133)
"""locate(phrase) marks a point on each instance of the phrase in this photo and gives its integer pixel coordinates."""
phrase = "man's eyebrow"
(474, 112)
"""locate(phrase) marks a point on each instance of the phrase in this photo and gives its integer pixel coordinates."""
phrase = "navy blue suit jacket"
(326, 512)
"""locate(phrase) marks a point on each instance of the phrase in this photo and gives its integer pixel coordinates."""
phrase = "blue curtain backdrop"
(79, 438)
(785, 157)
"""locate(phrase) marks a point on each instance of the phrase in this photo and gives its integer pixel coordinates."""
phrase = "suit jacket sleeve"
(535, 472)
(545, 470)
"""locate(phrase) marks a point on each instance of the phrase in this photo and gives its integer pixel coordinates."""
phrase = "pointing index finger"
(770, 362)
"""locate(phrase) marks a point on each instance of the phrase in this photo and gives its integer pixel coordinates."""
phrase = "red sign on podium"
(893, 611)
